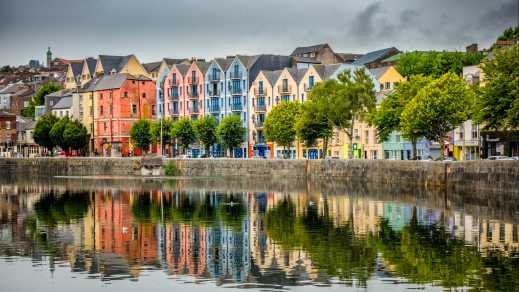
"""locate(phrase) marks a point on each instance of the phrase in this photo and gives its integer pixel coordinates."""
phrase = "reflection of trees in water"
(335, 251)
(52, 209)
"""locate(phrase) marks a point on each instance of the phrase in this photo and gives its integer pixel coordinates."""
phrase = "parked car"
(498, 157)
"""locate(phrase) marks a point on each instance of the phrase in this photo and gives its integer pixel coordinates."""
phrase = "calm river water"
(123, 234)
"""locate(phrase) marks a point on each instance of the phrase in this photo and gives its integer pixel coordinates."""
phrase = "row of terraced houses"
(109, 93)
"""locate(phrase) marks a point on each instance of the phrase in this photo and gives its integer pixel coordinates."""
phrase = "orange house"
(119, 101)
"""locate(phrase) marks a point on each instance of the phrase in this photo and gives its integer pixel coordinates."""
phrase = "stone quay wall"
(468, 174)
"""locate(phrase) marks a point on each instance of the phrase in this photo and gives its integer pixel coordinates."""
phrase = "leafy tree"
(280, 123)
(313, 124)
(205, 130)
(230, 131)
(167, 125)
(6, 69)
(41, 134)
(57, 133)
(498, 101)
(387, 117)
(439, 107)
(141, 135)
(350, 99)
(435, 64)
(39, 97)
(75, 135)
(184, 133)
(511, 33)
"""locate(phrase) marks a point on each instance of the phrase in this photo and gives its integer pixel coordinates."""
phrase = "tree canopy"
(511, 33)
(313, 124)
(41, 134)
(498, 101)
(140, 134)
(280, 123)
(39, 97)
(435, 64)
(76, 135)
(57, 133)
(230, 131)
(205, 130)
(184, 133)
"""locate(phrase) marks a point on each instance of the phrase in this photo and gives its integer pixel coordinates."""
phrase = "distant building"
(34, 64)
(322, 53)
(25, 145)
(63, 108)
(49, 59)
(374, 59)
(7, 133)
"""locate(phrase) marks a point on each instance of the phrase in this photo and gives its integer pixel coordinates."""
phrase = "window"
(285, 85)
(260, 86)
(104, 124)
(111, 109)
(475, 130)
(7, 125)
(133, 81)
(142, 82)
(462, 130)
(101, 110)
(134, 108)
(388, 85)
(381, 86)
(126, 94)
(366, 136)
(397, 138)
(311, 81)
(144, 95)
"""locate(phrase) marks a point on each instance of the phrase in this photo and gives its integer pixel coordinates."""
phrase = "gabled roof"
(306, 60)
(170, 62)
(116, 81)
(376, 56)
(152, 67)
(113, 62)
(223, 63)
(248, 61)
(308, 49)
(349, 57)
(203, 66)
(326, 71)
(64, 103)
(91, 63)
(272, 76)
(89, 86)
(377, 72)
(297, 74)
(77, 67)
(182, 68)
(60, 93)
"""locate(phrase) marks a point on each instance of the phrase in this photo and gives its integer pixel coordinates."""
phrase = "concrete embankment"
(466, 175)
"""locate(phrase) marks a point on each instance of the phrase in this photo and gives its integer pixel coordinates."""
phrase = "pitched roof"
(297, 74)
(375, 56)
(65, 102)
(248, 61)
(113, 62)
(272, 76)
(306, 60)
(377, 72)
(393, 58)
(326, 71)
(77, 67)
(308, 49)
(223, 63)
(152, 67)
(91, 63)
(12, 88)
(171, 62)
(182, 68)
(116, 80)
(24, 124)
(349, 57)
(203, 66)
(89, 86)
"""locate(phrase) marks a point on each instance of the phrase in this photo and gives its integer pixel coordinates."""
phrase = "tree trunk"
(350, 154)
(325, 147)
(442, 150)
(413, 141)
(207, 149)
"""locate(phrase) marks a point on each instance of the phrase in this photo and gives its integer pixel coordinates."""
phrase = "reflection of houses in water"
(185, 249)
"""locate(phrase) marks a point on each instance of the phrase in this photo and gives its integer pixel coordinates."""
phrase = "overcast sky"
(152, 29)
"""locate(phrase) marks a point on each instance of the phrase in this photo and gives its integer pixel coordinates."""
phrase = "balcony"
(309, 87)
(193, 109)
(259, 91)
(258, 124)
(174, 82)
(175, 112)
(214, 108)
(174, 95)
(192, 94)
(261, 107)
(214, 77)
(213, 92)
(285, 90)
(236, 107)
(236, 75)
(236, 91)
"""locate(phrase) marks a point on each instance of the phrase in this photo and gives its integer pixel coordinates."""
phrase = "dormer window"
(113, 72)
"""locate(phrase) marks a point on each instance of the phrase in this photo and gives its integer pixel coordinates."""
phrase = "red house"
(119, 101)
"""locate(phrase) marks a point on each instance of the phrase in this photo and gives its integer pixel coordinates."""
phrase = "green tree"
(498, 101)
(511, 33)
(167, 125)
(140, 134)
(439, 107)
(387, 117)
(205, 130)
(313, 124)
(280, 124)
(184, 133)
(57, 131)
(76, 135)
(41, 134)
(351, 99)
(435, 64)
(39, 97)
(230, 132)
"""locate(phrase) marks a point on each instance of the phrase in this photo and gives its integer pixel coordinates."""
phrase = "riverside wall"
(468, 174)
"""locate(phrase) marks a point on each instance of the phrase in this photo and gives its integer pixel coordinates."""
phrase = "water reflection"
(232, 237)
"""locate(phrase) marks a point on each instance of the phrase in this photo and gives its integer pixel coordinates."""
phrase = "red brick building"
(119, 101)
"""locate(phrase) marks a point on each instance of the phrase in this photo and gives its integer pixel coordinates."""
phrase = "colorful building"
(119, 101)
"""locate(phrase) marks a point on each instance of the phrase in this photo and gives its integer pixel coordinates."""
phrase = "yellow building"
(119, 64)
